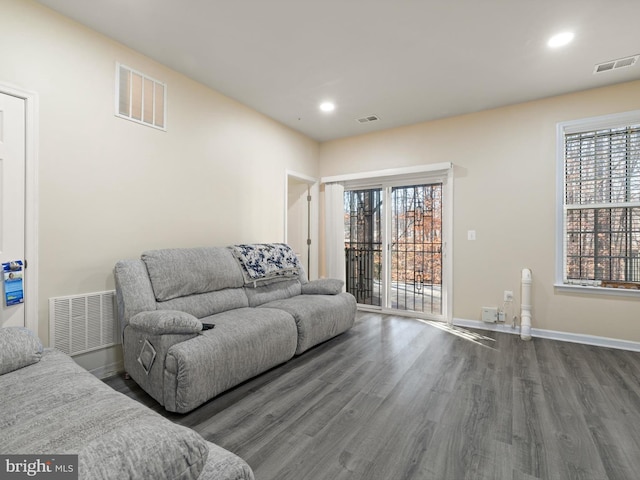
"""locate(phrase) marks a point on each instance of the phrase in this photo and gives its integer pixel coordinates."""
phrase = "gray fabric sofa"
(50, 406)
(165, 297)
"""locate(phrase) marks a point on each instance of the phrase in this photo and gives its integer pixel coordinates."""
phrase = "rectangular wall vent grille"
(83, 323)
(140, 98)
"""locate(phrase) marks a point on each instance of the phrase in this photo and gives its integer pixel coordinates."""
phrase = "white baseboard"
(552, 335)
(107, 371)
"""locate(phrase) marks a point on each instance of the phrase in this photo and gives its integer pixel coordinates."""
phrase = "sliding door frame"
(420, 175)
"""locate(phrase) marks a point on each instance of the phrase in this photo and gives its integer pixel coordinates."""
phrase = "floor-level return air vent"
(615, 64)
(82, 323)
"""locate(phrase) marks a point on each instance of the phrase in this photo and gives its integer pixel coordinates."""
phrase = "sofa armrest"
(146, 342)
(161, 322)
(134, 292)
(323, 286)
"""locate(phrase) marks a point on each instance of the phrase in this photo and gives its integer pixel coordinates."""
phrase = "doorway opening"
(301, 225)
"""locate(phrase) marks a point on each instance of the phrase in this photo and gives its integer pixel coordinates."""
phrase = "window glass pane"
(363, 244)
(416, 248)
(587, 268)
(602, 168)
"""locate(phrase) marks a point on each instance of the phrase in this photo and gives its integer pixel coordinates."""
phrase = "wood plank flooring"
(400, 398)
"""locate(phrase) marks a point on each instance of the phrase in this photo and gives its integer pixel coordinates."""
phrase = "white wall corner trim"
(552, 335)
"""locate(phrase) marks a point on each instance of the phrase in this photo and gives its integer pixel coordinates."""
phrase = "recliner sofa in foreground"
(263, 308)
(50, 406)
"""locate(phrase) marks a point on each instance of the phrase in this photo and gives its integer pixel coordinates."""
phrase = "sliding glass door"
(393, 247)
(363, 244)
(416, 248)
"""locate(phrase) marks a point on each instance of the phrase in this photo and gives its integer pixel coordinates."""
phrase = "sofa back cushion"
(276, 290)
(204, 304)
(180, 272)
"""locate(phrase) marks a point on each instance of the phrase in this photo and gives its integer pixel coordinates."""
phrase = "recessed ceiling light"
(327, 106)
(560, 40)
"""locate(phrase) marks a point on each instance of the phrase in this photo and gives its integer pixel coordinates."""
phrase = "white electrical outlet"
(508, 296)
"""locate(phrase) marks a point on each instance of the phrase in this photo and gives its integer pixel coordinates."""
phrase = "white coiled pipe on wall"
(525, 305)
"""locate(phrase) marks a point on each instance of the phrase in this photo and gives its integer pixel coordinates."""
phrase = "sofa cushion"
(244, 343)
(19, 347)
(178, 272)
(57, 407)
(318, 317)
(210, 303)
(272, 291)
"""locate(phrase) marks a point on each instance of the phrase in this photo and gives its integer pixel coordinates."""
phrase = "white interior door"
(12, 197)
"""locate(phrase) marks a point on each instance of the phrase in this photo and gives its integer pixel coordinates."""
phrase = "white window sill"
(589, 290)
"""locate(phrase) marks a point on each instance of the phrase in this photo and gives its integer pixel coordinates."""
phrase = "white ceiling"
(405, 61)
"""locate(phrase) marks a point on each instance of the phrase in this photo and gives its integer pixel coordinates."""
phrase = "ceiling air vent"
(614, 64)
(370, 118)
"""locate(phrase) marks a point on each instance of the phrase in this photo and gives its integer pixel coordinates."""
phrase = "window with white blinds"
(601, 203)
(140, 98)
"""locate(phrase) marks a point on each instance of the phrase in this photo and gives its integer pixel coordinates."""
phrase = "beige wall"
(110, 188)
(505, 177)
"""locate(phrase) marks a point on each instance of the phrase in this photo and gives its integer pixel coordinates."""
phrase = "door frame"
(314, 191)
(440, 172)
(31, 201)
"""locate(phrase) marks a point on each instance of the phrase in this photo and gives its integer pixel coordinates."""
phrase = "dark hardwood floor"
(399, 398)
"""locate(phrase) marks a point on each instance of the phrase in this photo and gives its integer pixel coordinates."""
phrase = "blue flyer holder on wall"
(13, 285)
